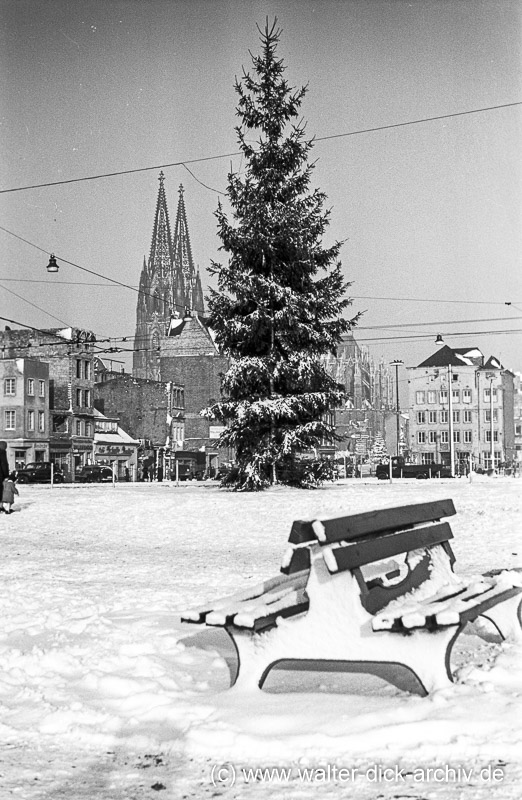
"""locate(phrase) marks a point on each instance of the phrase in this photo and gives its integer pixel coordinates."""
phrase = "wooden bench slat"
(365, 551)
(198, 615)
(372, 522)
(453, 609)
(282, 595)
(262, 617)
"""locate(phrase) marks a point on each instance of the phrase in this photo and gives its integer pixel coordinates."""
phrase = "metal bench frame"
(323, 613)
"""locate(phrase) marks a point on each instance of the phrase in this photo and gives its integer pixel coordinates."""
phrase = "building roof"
(455, 357)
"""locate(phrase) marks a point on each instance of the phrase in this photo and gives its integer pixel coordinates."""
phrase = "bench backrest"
(371, 522)
(352, 541)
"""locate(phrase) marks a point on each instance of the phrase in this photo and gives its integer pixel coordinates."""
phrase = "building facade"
(189, 356)
(462, 406)
(170, 285)
(68, 355)
(114, 448)
(517, 416)
(152, 412)
(24, 414)
(369, 406)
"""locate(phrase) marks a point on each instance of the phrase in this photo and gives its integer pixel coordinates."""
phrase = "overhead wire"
(7, 289)
(184, 162)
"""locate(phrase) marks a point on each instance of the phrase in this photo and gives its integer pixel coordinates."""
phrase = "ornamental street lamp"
(52, 266)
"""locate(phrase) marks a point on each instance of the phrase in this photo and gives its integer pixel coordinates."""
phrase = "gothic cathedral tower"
(170, 286)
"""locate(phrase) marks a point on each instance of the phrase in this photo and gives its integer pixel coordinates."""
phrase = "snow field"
(104, 694)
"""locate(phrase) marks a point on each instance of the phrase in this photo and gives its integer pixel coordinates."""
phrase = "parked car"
(402, 469)
(94, 473)
(39, 472)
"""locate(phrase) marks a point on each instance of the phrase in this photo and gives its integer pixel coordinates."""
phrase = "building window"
(419, 397)
(432, 437)
(87, 370)
(421, 418)
(518, 430)
(456, 416)
(467, 415)
(427, 458)
(488, 436)
(466, 395)
(443, 396)
(486, 457)
(88, 429)
(41, 421)
(421, 437)
(432, 396)
(30, 387)
(487, 393)
(78, 368)
(10, 420)
(455, 395)
(432, 417)
(41, 385)
(456, 437)
(87, 397)
(444, 417)
(30, 420)
(487, 415)
(78, 427)
(468, 437)
(444, 437)
(10, 386)
(59, 424)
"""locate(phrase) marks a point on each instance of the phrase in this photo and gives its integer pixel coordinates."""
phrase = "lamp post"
(397, 363)
(450, 418)
(491, 427)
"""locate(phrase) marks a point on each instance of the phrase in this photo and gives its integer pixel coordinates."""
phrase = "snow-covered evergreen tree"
(281, 295)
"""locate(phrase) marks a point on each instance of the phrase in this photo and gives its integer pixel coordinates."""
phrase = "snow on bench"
(352, 585)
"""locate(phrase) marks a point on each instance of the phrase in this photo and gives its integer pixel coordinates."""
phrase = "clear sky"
(430, 213)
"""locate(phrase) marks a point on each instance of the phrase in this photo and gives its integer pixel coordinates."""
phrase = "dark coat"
(4, 466)
(9, 491)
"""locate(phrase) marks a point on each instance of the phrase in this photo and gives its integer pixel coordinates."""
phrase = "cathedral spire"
(182, 249)
(160, 259)
(183, 261)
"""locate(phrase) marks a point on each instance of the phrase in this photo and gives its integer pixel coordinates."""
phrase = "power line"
(237, 153)
(120, 172)
(413, 338)
(429, 300)
(55, 282)
(7, 289)
(443, 322)
(418, 121)
(84, 269)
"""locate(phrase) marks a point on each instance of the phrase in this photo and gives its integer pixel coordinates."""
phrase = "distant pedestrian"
(9, 491)
(4, 470)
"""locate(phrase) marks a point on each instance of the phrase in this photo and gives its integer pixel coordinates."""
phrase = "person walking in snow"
(9, 491)
(4, 469)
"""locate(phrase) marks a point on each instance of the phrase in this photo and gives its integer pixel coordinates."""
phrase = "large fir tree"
(280, 298)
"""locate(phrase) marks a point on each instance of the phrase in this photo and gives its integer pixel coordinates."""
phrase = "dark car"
(39, 472)
(94, 473)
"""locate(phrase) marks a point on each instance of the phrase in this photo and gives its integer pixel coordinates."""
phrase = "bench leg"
(507, 618)
(253, 660)
(426, 654)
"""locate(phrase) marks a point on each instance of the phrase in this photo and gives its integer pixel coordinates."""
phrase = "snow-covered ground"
(105, 695)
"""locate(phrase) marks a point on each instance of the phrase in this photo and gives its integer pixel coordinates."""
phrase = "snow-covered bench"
(373, 592)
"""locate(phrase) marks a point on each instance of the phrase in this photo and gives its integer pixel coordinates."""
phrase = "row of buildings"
(63, 400)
